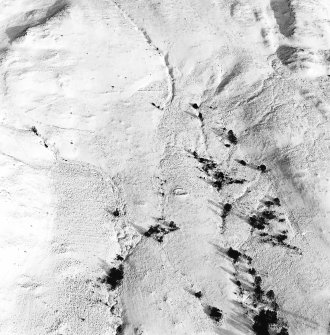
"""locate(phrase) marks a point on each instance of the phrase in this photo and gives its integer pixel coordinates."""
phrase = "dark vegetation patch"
(279, 240)
(261, 222)
(158, 231)
(208, 165)
(113, 277)
(217, 178)
(194, 105)
(260, 307)
(214, 313)
(220, 179)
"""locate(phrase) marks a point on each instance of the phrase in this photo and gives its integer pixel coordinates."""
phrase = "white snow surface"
(98, 132)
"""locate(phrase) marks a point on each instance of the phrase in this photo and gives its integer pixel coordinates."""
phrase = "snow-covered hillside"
(164, 167)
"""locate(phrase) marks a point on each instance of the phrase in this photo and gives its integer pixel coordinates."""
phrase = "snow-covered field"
(164, 167)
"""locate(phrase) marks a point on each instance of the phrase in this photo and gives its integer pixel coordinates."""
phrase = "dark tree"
(263, 320)
(234, 254)
(252, 271)
(214, 313)
(270, 295)
(277, 201)
(231, 137)
(262, 168)
(116, 212)
(226, 209)
(34, 130)
(242, 162)
(198, 294)
(114, 277)
(269, 215)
